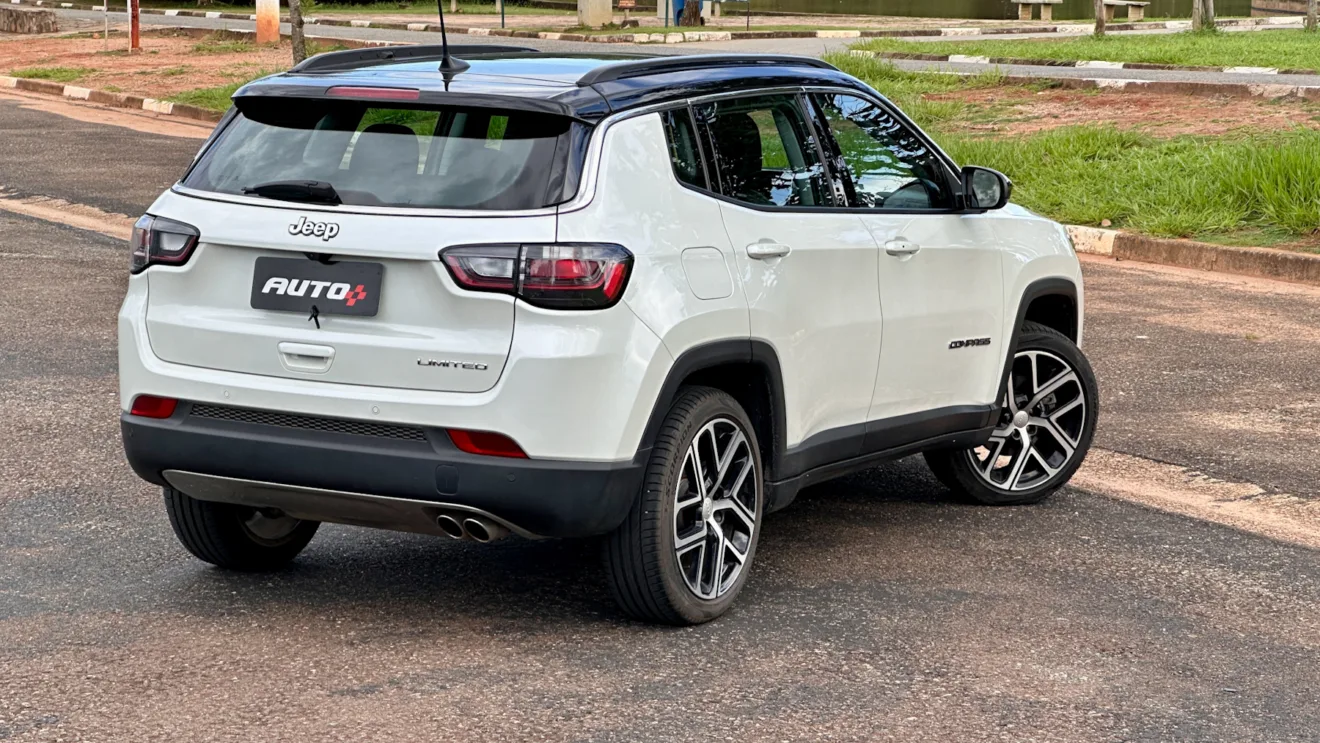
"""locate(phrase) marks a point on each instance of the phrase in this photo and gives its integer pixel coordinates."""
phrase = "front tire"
(236, 537)
(685, 550)
(1046, 425)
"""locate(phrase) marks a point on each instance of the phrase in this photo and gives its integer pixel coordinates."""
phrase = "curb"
(1089, 64)
(1171, 87)
(677, 37)
(118, 100)
(1264, 263)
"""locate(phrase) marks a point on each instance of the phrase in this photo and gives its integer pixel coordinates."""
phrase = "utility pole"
(268, 21)
(594, 13)
(1100, 17)
(296, 31)
(1311, 15)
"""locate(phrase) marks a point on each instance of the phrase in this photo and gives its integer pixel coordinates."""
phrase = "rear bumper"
(535, 497)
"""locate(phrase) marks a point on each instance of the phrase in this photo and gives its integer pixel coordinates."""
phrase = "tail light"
(559, 276)
(157, 240)
(486, 443)
(150, 406)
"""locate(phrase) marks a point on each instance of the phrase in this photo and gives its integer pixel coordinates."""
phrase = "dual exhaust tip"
(465, 526)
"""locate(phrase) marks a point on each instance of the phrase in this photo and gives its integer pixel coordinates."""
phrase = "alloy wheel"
(1041, 426)
(715, 508)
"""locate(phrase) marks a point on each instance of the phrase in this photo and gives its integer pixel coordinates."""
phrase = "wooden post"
(268, 21)
(1100, 17)
(296, 31)
(134, 25)
(1311, 15)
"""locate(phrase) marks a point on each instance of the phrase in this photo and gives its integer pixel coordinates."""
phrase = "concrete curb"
(1265, 263)
(106, 98)
(1176, 87)
(681, 37)
(1089, 64)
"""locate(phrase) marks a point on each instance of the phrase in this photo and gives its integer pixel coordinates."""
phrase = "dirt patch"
(1024, 111)
(166, 65)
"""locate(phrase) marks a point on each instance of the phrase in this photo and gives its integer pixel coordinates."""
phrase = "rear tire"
(236, 537)
(1046, 426)
(685, 550)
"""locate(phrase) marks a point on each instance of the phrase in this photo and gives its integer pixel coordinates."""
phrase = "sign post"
(268, 21)
(625, 6)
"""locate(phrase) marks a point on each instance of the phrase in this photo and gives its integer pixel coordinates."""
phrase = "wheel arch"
(749, 371)
(1053, 302)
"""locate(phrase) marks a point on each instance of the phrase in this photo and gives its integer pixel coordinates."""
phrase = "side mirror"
(985, 189)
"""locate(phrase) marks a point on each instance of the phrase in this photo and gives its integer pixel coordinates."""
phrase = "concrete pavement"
(878, 610)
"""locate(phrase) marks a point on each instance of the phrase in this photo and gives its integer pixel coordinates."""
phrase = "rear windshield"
(449, 158)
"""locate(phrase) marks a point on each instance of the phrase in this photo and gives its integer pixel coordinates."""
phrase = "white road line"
(67, 213)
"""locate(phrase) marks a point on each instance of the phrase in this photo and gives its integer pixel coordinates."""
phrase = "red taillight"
(380, 94)
(157, 240)
(555, 276)
(150, 406)
(486, 443)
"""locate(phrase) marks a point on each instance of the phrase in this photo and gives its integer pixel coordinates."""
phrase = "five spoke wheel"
(715, 507)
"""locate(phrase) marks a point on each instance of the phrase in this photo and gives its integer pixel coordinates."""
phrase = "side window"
(763, 152)
(879, 162)
(683, 150)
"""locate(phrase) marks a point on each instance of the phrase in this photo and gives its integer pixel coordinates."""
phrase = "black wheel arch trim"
(1055, 285)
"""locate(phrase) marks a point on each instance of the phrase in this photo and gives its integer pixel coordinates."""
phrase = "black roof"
(584, 86)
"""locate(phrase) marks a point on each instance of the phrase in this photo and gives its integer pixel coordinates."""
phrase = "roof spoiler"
(687, 62)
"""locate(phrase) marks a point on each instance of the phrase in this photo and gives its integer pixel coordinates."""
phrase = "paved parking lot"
(878, 610)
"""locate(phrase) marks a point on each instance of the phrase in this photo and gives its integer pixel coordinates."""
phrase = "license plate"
(296, 285)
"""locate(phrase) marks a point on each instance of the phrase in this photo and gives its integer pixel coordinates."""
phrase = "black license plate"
(295, 285)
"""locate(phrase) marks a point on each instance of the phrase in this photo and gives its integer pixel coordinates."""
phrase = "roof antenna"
(449, 66)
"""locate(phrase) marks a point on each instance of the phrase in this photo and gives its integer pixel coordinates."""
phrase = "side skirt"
(843, 451)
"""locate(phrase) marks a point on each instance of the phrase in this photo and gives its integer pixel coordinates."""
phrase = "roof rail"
(354, 58)
(680, 63)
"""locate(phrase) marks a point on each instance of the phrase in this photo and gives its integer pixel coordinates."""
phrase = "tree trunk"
(1311, 15)
(1198, 18)
(296, 31)
(1208, 15)
(1100, 17)
(691, 13)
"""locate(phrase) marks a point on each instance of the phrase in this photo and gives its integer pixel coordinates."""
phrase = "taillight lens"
(150, 406)
(562, 276)
(157, 240)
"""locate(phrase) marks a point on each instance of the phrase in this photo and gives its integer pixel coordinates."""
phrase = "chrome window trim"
(392, 211)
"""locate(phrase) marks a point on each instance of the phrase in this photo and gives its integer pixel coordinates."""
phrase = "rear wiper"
(318, 192)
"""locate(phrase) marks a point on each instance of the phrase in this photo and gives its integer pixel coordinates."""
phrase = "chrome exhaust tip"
(483, 531)
(450, 526)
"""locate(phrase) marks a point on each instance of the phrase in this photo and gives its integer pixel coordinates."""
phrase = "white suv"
(647, 299)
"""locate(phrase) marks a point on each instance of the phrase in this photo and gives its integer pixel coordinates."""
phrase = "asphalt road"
(878, 610)
(810, 47)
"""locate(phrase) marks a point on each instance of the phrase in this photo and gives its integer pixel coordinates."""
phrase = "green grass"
(1283, 49)
(1236, 189)
(223, 46)
(217, 98)
(54, 74)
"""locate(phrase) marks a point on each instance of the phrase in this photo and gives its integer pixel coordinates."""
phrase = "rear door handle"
(901, 248)
(762, 251)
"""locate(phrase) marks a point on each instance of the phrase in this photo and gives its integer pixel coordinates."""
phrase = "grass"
(1281, 49)
(54, 74)
(216, 98)
(1261, 189)
(223, 46)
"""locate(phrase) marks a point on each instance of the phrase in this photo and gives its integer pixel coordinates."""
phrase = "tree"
(1100, 17)
(691, 13)
(296, 31)
(1311, 15)
(1203, 15)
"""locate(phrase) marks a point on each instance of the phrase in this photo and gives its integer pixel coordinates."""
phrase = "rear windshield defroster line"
(381, 154)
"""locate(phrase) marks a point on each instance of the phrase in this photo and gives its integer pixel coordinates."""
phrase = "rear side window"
(447, 158)
(684, 152)
(763, 152)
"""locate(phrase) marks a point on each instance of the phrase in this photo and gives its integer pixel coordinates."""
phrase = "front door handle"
(763, 251)
(901, 248)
